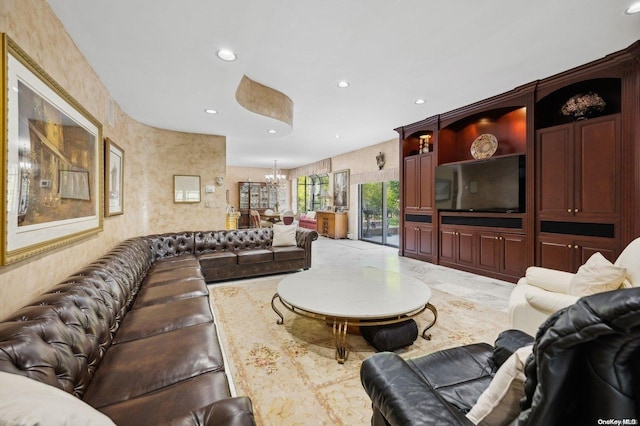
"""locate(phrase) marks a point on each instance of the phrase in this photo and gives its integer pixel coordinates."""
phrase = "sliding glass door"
(379, 210)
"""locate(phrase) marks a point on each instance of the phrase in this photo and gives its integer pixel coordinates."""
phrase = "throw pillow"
(284, 235)
(596, 276)
(311, 215)
(24, 401)
(499, 404)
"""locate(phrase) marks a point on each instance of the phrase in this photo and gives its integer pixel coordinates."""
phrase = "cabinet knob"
(569, 210)
(495, 238)
(576, 210)
(568, 245)
(575, 247)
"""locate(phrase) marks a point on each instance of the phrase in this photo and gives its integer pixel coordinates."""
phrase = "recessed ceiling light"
(272, 131)
(342, 84)
(634, 8)
(226, 55)
(210, 111)
(337, 136)
(420, 101)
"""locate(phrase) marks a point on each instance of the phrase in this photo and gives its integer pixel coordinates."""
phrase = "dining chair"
(287, 217)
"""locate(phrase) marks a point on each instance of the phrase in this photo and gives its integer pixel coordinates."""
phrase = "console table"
(332, 224)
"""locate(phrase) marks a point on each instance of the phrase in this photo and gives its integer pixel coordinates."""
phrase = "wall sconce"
(219, 180)
(380, 160)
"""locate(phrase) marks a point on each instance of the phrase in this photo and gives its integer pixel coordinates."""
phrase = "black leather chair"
(585, 368)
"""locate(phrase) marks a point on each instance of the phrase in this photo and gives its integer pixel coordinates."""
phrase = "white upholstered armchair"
(543, 291)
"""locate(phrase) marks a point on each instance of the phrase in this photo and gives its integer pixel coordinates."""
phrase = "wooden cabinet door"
(586, 247)
(426, 183)
(448, 245)
(597, 181)
(410, 242)
(489, 250)
(411, 184)
(555, 171)
(556, 253)
(514, 254)
(425, 241)
(466, 248)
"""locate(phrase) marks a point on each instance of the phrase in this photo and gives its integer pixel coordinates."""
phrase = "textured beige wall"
(152, 157)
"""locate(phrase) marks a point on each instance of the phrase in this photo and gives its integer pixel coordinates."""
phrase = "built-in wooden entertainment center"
(581, 174)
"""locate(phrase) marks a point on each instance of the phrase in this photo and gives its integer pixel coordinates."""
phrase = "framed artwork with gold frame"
(51, 159)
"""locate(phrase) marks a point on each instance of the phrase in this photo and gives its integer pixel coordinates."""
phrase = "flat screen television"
(491, 185)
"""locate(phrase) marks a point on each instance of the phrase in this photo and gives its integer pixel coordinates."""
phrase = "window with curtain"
(313, 192)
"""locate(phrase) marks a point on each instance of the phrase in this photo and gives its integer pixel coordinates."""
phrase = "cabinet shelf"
(549, 109)
(453, 163)
(507, 124)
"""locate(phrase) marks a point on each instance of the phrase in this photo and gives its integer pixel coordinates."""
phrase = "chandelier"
(276, 178)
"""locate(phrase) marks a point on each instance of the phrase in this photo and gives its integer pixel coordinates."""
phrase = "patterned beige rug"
(289, 371)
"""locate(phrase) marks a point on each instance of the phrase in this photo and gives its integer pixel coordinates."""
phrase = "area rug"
(289, 370)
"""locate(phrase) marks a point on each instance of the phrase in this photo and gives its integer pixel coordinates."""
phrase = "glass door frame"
(384, 238)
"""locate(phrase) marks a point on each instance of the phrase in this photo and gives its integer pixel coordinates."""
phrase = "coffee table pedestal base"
(340, 326)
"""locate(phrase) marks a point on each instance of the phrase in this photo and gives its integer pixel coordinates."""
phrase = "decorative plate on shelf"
(484, 146)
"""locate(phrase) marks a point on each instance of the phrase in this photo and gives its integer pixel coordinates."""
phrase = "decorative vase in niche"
(582, 106)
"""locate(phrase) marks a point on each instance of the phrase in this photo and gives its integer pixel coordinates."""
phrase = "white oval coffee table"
(352, 297)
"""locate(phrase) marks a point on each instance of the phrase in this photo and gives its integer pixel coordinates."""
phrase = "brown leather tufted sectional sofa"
(133, 335)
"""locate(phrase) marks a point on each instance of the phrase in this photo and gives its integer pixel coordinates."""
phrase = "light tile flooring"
(490, 292)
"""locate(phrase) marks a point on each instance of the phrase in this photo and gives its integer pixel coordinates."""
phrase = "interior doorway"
(378, 217)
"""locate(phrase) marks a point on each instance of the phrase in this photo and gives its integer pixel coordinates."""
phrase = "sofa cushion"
(499, 404)
(287, 253)
(595, 276)
(25, 401)
(141, 366)
(459, 374)
(254, 256)
(169, 292)
(160, 406)
(172, 275)
(154, 319)
(170, 263)
(218, 259)
(284, 235)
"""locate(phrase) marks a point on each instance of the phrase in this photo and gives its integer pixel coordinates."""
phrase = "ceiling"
(158, 60)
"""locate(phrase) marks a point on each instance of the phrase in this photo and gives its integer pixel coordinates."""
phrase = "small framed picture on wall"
(341, 189)
(113, 178)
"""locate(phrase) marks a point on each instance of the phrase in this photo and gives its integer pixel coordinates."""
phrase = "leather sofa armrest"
(507, 343)
(548, 279)
(304, 237)
(402, 396)
(547, 301)
(236, 411)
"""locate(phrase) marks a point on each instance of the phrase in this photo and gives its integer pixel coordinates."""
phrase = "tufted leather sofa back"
(62, 335)
(169, 245)
(213, 241)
